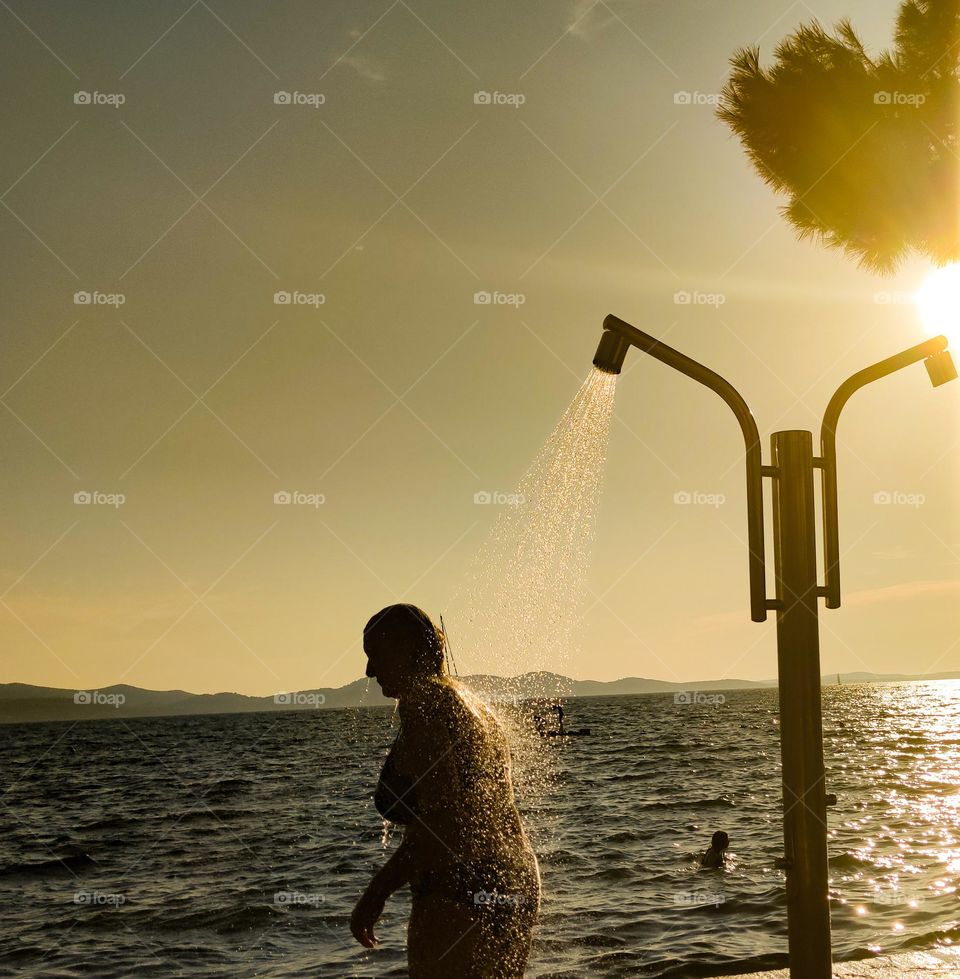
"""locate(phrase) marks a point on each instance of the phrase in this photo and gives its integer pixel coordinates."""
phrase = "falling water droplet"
(521, 607)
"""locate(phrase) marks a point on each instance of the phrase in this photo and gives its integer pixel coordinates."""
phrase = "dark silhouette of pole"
(801, 729)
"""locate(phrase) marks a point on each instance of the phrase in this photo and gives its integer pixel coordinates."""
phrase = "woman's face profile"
(385, 662)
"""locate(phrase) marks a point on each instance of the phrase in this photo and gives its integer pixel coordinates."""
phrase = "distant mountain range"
(20, 702)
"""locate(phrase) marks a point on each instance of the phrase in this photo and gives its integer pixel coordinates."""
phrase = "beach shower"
(792, 475)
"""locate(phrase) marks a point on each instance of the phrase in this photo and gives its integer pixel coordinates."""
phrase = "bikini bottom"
(483, 885)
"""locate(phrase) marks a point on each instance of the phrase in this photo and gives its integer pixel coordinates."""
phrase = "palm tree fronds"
(866, 149)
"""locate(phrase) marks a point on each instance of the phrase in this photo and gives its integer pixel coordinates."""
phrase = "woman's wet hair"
(410, 625)
(720, 840)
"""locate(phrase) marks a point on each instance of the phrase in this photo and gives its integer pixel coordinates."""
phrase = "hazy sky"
(397, 197)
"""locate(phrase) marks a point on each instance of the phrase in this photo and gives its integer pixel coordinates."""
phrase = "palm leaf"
(864, 149)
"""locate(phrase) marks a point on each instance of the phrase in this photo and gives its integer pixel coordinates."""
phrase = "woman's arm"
(386, 881)
(395, 872)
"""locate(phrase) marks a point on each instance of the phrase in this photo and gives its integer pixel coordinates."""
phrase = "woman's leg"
(450, 938)
(441, 939)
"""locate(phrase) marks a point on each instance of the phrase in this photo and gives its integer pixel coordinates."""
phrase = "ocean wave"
(205, 814)
(720, 802)
(111, 822)
(847, 861)
(69, 861)
(221, 920)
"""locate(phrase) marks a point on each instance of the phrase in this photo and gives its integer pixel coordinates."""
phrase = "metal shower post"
(792, 472)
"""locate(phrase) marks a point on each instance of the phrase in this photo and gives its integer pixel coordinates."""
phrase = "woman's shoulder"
(433, 696)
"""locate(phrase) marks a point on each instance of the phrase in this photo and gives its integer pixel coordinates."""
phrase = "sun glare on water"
(938, 302)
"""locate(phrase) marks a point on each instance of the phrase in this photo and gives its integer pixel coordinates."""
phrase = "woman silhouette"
(473, 876)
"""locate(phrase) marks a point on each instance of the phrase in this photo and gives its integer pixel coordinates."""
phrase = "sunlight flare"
(938, 301)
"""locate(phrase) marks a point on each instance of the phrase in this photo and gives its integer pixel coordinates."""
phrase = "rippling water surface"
(235, 845)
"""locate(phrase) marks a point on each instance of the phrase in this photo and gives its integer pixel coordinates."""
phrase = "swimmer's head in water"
(402, 643)
(720, 840)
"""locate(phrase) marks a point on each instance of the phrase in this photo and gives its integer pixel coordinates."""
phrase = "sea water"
(237, 845)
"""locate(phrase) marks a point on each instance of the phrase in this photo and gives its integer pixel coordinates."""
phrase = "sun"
(938, 301)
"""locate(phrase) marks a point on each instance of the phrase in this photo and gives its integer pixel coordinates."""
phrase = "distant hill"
(22, 702)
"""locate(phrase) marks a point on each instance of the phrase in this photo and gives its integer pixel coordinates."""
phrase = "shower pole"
(796, 603)
(801, 726)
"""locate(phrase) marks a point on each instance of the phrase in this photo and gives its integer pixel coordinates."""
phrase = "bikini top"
(395, 798)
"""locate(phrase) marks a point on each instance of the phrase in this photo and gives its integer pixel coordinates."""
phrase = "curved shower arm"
(751, 437)
(828, 449)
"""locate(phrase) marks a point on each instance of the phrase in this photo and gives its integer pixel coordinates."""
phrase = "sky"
(173, 172)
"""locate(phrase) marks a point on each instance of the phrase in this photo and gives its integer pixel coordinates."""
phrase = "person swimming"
(713, 855)
(472, 873)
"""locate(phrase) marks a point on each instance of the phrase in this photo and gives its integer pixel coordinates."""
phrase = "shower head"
(941, 368)
(611, 350)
